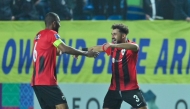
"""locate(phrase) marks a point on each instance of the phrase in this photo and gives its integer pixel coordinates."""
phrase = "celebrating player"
(47, 45)
(124, 85)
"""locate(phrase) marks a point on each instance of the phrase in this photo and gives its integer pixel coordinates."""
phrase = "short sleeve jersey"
(123, 69)
(44, 58)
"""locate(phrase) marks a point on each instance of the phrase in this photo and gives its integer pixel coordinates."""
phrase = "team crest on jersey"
(123, 51)
(115, 60)
(56, 36)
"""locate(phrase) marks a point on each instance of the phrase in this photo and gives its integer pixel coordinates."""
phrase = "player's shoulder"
(53, 34)
(131, 42)
(52, 31)
(48, 31)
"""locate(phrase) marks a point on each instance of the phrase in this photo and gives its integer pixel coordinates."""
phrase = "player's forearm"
(97, 48)
(70, 50)
(74, 51)
(128, 46)
(59, 52)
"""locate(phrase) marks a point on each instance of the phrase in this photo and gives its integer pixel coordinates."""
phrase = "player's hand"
(92, 53)
(75, 56)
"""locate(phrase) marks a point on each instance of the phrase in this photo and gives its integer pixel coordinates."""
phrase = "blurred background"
(96, 9)
(160, 27)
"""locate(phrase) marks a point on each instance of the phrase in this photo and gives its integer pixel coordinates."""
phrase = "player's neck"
(124, 41)
(49, 28)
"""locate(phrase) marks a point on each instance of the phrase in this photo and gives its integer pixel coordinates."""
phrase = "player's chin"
(118, 42)
(115, 42)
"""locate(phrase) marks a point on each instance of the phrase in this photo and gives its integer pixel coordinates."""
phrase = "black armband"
(84, 49)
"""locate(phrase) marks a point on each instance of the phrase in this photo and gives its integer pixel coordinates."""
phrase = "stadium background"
(163, 64)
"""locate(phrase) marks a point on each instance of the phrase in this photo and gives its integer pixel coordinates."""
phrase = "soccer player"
(47, 45)
(124, 85)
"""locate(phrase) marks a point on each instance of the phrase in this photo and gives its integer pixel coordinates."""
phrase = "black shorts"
(49, 96)
(113, 99)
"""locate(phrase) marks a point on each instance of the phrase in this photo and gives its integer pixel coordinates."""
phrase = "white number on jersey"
(35, 53)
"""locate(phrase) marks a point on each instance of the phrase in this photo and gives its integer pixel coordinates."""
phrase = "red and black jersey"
(44, 58)
(123, 69)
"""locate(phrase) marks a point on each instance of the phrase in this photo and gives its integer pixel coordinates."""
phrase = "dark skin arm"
(58, 52)
(63, 48)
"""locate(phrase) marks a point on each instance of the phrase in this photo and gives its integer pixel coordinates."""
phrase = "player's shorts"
(49, 96)
(113, 99)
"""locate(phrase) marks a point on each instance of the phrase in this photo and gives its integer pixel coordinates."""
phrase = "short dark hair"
(122, 28)
(50, 18)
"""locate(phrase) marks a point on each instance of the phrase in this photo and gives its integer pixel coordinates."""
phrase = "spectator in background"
(165, 9)
(117, 7)
(114, 7)
(24, 10)
(71, 4)
(78, 13)
(110, 7)
(147, 7)
(5, 10)
(99, 6)
(181, 9)
(60, 7)
(124, 8)
(153, 9)
(158, 9)
(157, 13)
(42, 7)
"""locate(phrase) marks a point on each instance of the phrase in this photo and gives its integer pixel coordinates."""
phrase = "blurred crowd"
(167, 9)
(93, 9)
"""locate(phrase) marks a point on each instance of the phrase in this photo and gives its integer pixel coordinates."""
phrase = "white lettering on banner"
(183, 102)
(91, 96)
(89, 103)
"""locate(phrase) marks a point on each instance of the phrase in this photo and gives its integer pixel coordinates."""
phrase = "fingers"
(93, 54)
(91, 49)
(96, 54)
(75, 56)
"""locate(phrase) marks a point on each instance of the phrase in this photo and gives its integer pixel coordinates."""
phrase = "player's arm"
(128, 46)
(70, 50)
(59, 52)
(97, 48)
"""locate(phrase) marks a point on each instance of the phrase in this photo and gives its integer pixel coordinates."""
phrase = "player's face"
(116, 36)
(56, 24)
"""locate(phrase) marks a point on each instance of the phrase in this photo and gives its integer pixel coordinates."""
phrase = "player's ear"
(124, 36)
(54, 24)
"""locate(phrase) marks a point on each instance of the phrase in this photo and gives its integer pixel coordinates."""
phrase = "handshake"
(91, 53)
(94, 51)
